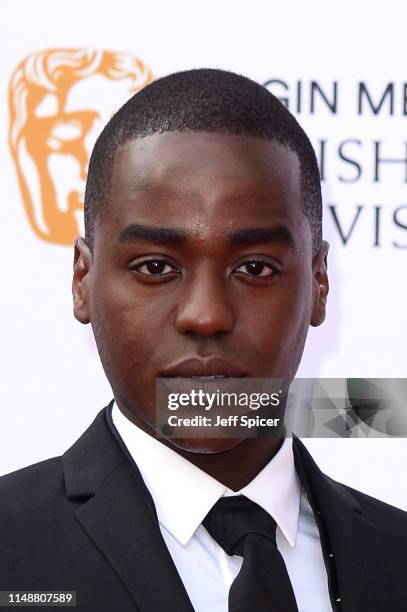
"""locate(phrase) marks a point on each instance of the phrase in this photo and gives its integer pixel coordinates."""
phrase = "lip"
(195, 366)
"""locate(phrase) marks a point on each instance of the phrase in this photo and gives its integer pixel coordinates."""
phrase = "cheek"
(127, 327)
(278, 325)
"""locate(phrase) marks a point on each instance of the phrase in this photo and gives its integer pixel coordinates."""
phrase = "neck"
(236, 467)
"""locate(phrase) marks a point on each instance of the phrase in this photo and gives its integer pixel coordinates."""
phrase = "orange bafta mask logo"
(59, 101)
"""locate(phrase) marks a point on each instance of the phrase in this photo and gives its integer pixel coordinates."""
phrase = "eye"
(256, 268)
(154, 267)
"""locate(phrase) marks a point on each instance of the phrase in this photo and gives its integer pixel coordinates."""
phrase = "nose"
(205, 308)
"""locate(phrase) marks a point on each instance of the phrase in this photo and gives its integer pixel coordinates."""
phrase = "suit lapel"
(352, 554)
(119, 516)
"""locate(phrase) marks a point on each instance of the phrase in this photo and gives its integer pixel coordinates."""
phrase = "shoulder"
(390, 522)
(48, 468)
(36, 518)
(31, 490)
(372, 507)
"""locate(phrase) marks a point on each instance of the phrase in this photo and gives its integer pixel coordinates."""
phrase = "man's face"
(202, 266)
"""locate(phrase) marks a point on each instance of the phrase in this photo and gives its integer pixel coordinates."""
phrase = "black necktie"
(242, 528)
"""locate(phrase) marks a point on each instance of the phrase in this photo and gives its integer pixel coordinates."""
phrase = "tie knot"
(233, 518)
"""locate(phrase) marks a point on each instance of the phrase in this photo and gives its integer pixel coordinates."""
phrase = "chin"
(205, 446)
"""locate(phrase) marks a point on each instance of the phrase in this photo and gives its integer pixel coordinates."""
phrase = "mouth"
(212, 368)
(215, 376)
(209, 375)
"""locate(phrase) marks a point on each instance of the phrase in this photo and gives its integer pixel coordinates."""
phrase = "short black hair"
(208, 100)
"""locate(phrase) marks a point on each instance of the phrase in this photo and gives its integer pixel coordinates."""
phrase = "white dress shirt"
(183, 495)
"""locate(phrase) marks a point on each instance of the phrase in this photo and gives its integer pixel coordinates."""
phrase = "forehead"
(205, 180)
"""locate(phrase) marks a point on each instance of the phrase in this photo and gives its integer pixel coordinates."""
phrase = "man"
(202, 258)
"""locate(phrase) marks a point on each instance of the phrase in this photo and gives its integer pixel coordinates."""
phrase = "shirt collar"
(183, 494)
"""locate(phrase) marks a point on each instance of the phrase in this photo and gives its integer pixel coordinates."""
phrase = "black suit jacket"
(86, 522)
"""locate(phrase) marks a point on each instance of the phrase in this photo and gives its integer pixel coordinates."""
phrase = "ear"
(82, 267)
(320, 284)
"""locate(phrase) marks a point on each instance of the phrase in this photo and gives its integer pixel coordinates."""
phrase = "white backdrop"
(342, 72)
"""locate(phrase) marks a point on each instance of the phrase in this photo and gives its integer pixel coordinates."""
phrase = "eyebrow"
(262, 235)
(148, 233)
(135, 232)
